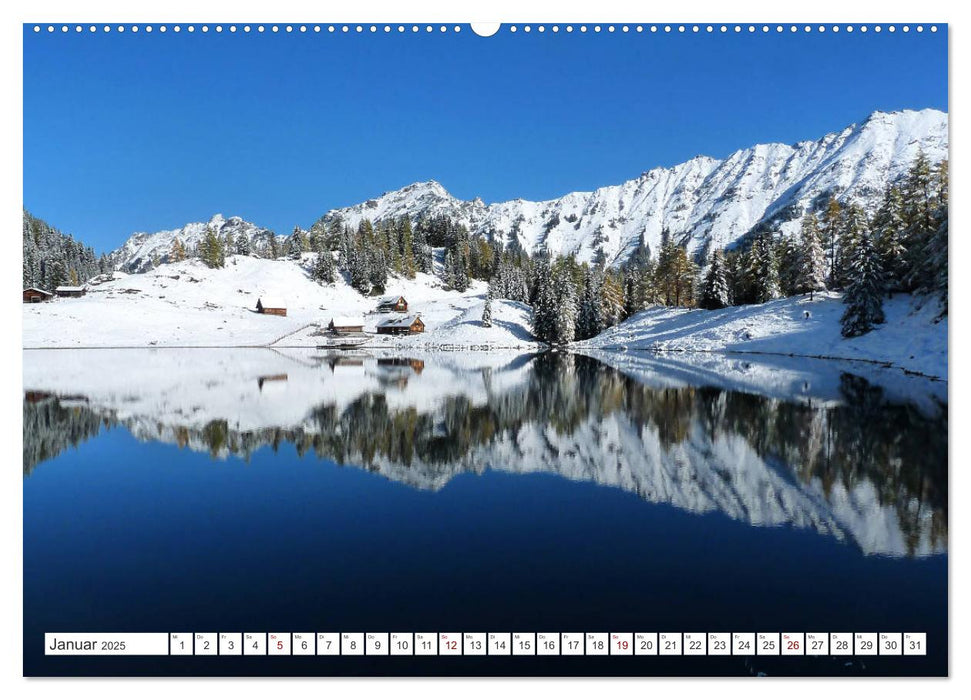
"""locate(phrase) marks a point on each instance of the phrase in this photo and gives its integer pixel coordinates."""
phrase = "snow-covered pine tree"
(715, 293)
(932, 278)
(633, 301)
(889, 231)
(377, 271)
(487, 310)
(811, 276)
(941, 183)
(57, 275)
(936, 261)
(761, 275)
(334, 233)
(854, 223)
(460, 274)
(590, 320)
(323, 270)
(448, 270)
(317, 239)
(544, 302)
(865, 290)
(566, 306)
(918, 206)
(294, 244)
(735, 274)
(495, 241)
(517, 287)
(787, 262)
(243, 245)
(359, 270)
(647, 291)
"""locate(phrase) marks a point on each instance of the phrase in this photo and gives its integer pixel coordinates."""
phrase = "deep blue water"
(122, 534)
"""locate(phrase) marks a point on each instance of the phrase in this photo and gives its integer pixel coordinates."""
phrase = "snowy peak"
(420, 199)
(703, 202)
(144, 251)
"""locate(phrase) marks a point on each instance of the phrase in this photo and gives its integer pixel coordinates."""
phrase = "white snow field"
(910, 339)
(187, 304)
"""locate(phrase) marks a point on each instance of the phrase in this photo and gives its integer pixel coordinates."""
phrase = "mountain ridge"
(704, 202)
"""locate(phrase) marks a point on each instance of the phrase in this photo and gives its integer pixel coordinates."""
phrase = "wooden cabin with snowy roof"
(345, 324)
(68, 291)
(35, 295)
(272, 306)
(393, 304)
(401, 325)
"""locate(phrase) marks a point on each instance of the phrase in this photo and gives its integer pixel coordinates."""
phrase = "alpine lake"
(293, 490)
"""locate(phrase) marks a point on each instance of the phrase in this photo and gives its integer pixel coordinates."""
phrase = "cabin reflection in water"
(271, 380)
(416, 365)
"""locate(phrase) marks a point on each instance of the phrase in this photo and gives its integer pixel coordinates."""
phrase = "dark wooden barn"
(393, 304)
(35, 295)
(269, 305)
(405, 325)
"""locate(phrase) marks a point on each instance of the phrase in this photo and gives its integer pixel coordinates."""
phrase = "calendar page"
(514, 349)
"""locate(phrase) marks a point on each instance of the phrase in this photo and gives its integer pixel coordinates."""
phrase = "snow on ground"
(453, 324)
(187, 304)
(910, 339)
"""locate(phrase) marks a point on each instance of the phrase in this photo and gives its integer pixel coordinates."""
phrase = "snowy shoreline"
(912, 340)
(187, 305)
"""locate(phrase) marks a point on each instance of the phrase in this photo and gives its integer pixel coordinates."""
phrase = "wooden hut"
(269, 305)
(403, 325)
(344, 324)
(71, 291)
(393, 304)
(35, 295)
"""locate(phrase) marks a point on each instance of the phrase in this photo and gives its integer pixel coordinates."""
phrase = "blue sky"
(141, 132)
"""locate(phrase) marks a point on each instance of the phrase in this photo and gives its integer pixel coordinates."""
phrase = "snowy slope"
(910, 339)
(702, 201)
(189, 304)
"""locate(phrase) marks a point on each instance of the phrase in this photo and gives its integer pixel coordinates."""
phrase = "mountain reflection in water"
(814, 446)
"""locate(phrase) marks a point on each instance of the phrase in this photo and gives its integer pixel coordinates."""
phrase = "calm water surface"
(253, 490)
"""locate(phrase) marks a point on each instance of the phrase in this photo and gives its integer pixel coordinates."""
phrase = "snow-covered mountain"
(702, 202)
(143, 251)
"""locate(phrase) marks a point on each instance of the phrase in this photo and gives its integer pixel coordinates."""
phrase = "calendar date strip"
(487, 644)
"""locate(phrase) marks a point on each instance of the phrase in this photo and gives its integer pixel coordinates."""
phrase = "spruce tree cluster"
(52, 258)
